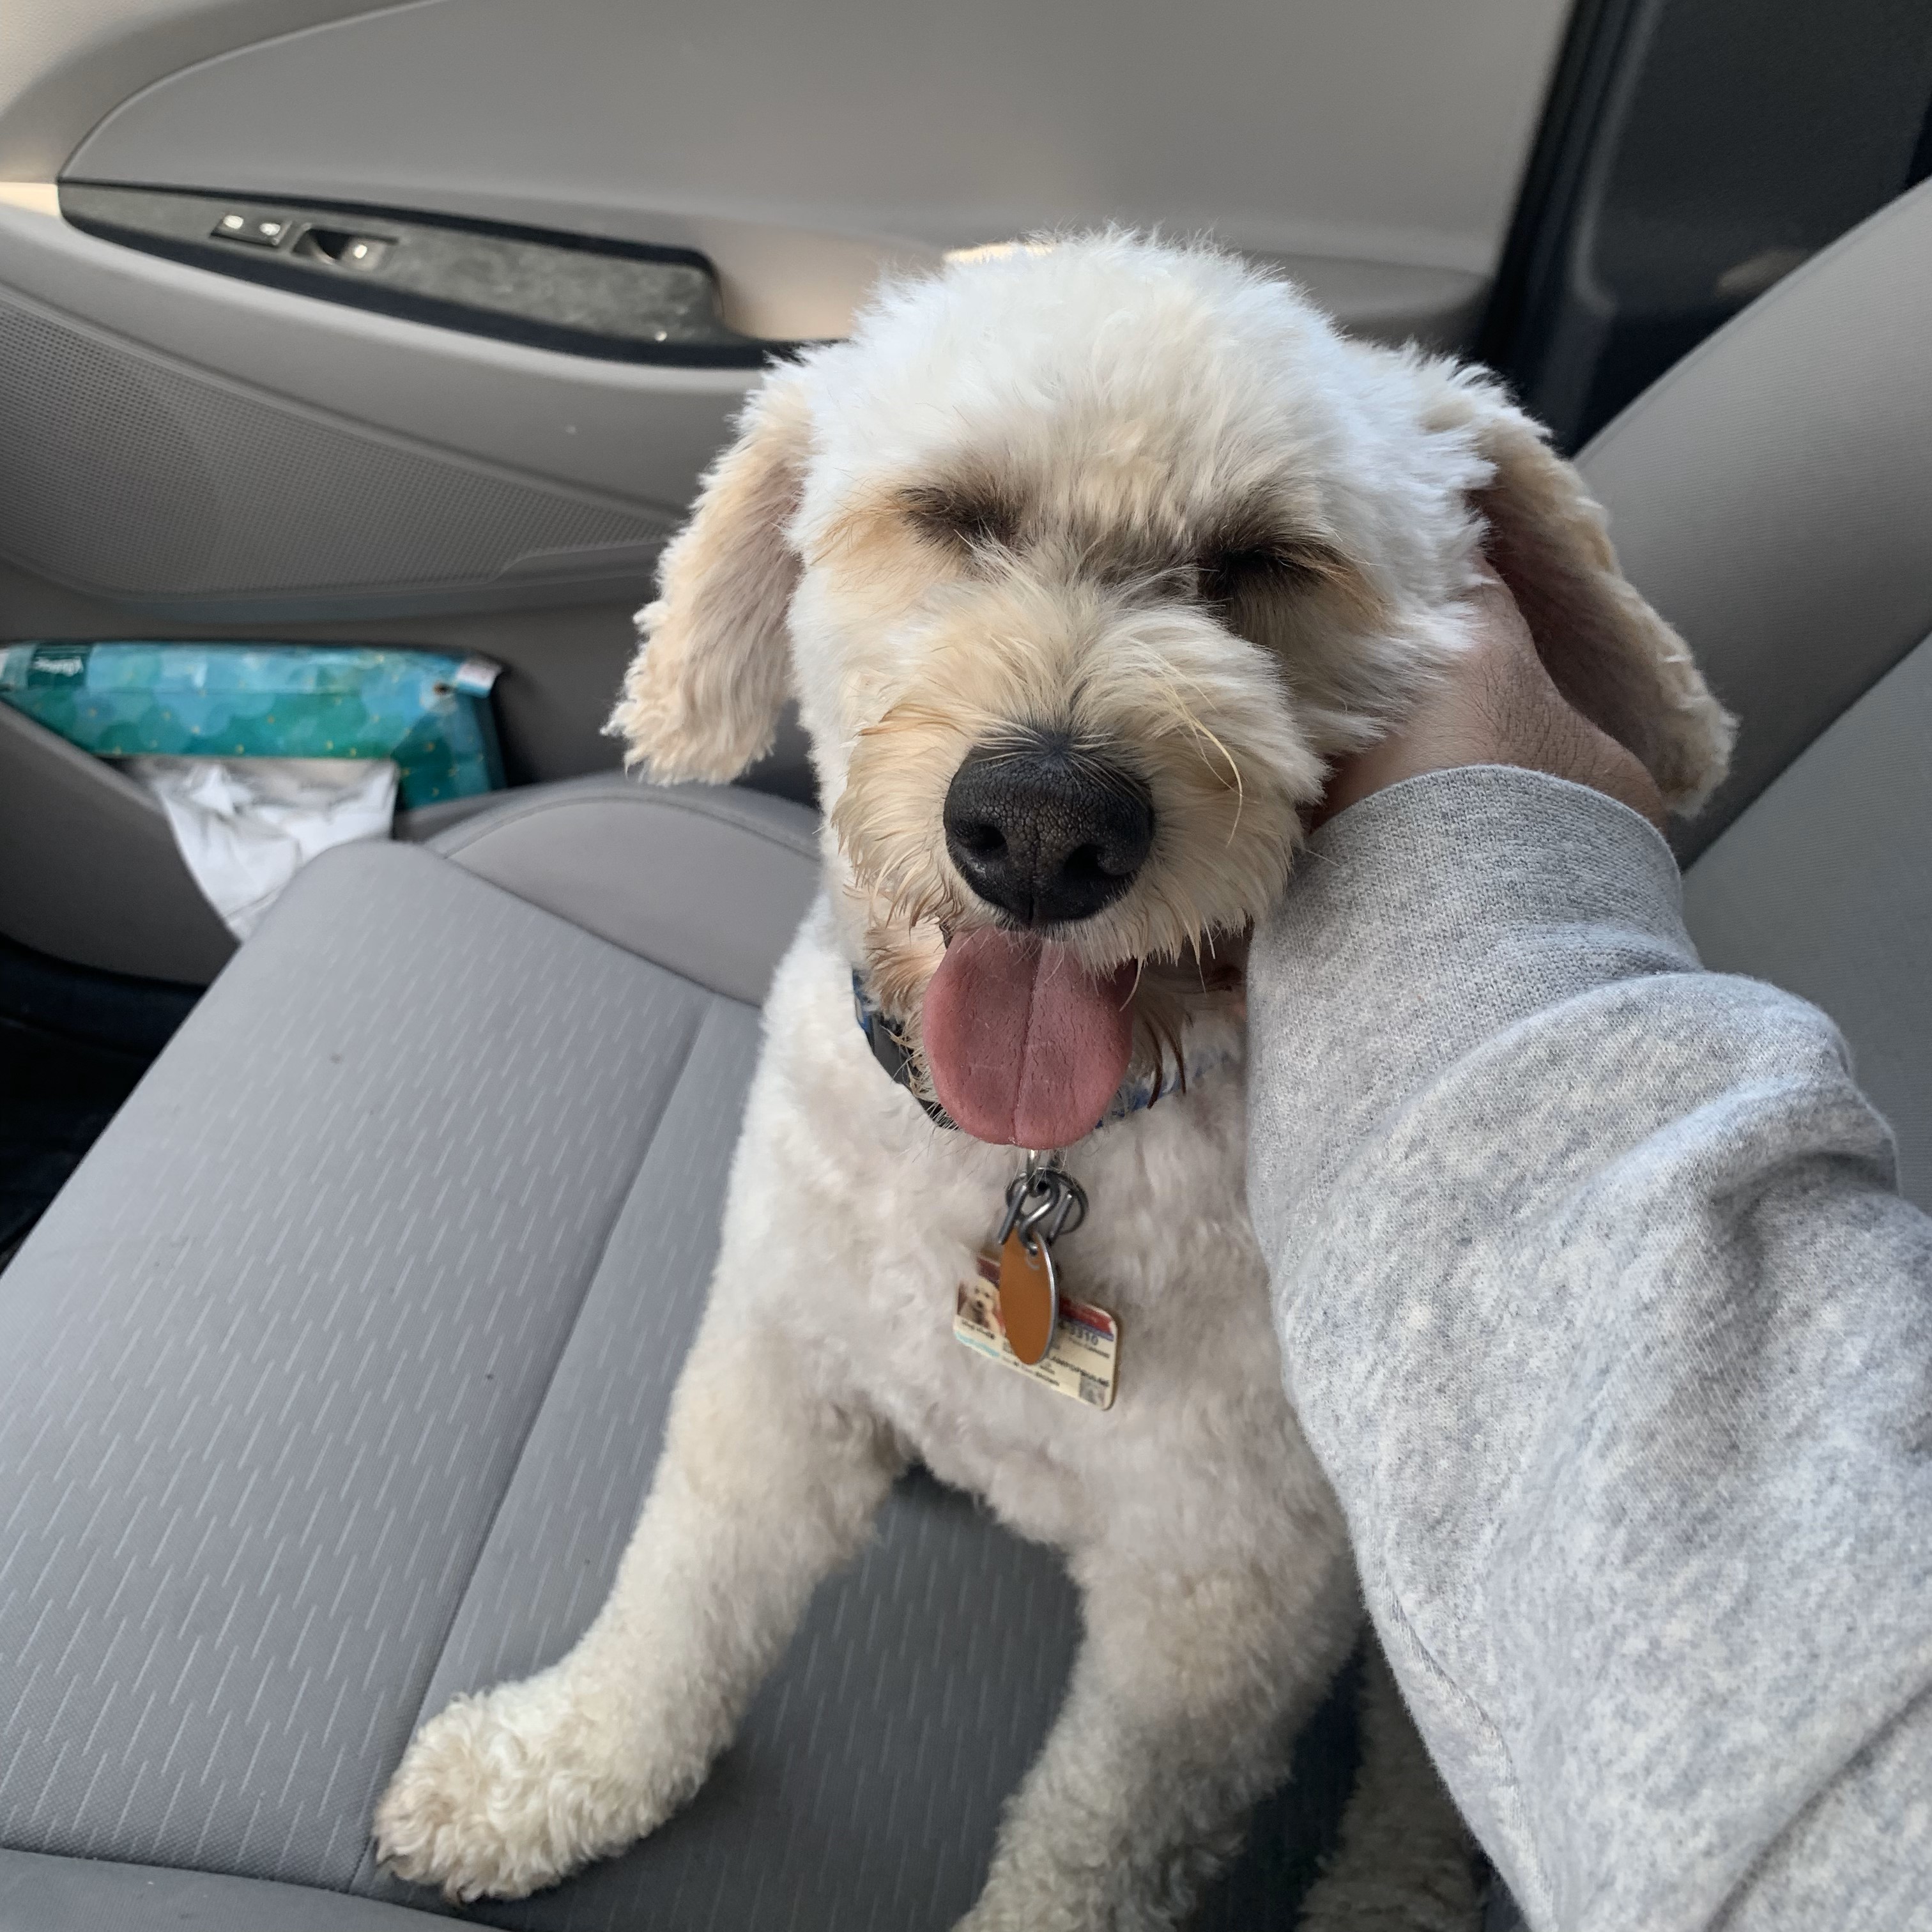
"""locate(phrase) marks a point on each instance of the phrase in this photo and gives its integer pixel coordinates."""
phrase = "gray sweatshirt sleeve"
(1602, 1313)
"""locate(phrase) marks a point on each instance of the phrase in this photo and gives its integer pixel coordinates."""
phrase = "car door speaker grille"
(134, 476)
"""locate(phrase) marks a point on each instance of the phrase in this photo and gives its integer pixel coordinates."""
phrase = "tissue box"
(430, 713)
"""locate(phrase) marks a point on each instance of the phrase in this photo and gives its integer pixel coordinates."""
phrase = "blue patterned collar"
(900, 1060)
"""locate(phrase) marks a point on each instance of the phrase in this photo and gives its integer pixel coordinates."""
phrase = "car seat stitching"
(478, 829)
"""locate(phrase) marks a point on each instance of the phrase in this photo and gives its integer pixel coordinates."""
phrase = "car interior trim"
(581, 295)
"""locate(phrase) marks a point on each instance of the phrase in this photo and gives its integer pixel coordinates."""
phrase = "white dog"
(1083, 564)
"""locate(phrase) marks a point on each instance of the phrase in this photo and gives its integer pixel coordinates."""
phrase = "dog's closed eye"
(1231, 572)
(969, 518)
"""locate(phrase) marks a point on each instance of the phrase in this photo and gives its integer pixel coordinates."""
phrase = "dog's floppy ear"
(702, 696)
(1609, 652)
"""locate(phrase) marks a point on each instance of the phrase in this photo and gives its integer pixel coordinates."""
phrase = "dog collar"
(900, 1059)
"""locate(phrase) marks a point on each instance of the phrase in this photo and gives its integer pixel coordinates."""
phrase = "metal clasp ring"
(1043, 1202)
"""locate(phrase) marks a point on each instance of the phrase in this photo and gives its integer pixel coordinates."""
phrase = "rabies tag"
(1029, 1286)
(1083, 1360)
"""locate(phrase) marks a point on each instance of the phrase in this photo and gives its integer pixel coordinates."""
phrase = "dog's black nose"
(1044, 831)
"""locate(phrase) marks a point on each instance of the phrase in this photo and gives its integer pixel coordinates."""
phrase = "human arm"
(1598, 1305)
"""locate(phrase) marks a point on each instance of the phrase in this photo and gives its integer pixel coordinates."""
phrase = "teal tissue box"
(430, 713)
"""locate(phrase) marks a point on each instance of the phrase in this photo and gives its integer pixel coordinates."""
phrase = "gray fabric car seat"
(332, 1383)
(1772, 495)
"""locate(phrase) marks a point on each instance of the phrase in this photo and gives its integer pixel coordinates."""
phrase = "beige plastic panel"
(139, 476)
(1375, 144)
(89, 867)
(632, 438)
(65, 64)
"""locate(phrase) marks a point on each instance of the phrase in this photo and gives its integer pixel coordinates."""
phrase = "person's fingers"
(1591, 757)
(1496, 704)
(1462, 714)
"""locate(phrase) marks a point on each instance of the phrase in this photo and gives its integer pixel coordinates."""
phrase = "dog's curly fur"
(1146, 497)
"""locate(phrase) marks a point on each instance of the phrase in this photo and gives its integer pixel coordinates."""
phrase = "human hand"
(1496, 705)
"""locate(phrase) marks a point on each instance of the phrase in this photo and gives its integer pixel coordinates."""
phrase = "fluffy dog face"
(1083, 564)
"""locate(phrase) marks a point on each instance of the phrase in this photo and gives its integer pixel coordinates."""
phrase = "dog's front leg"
(765, 1485)
(1188, 1690)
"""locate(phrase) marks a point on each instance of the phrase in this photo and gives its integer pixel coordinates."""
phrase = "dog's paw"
(504, 1794)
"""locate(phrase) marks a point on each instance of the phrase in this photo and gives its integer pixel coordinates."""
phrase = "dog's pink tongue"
(1026, 1047)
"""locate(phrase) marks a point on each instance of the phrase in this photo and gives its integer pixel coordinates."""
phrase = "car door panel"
(248, 439)
(1382, 133)
(188, 443)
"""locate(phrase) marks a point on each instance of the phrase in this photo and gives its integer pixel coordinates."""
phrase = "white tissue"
(247, 825)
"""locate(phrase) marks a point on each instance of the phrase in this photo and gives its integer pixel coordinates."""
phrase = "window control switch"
(343, 248)
(257, 230)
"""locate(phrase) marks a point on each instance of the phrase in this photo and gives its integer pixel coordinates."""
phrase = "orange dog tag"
(1029, 1297)
(1084, 1362)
